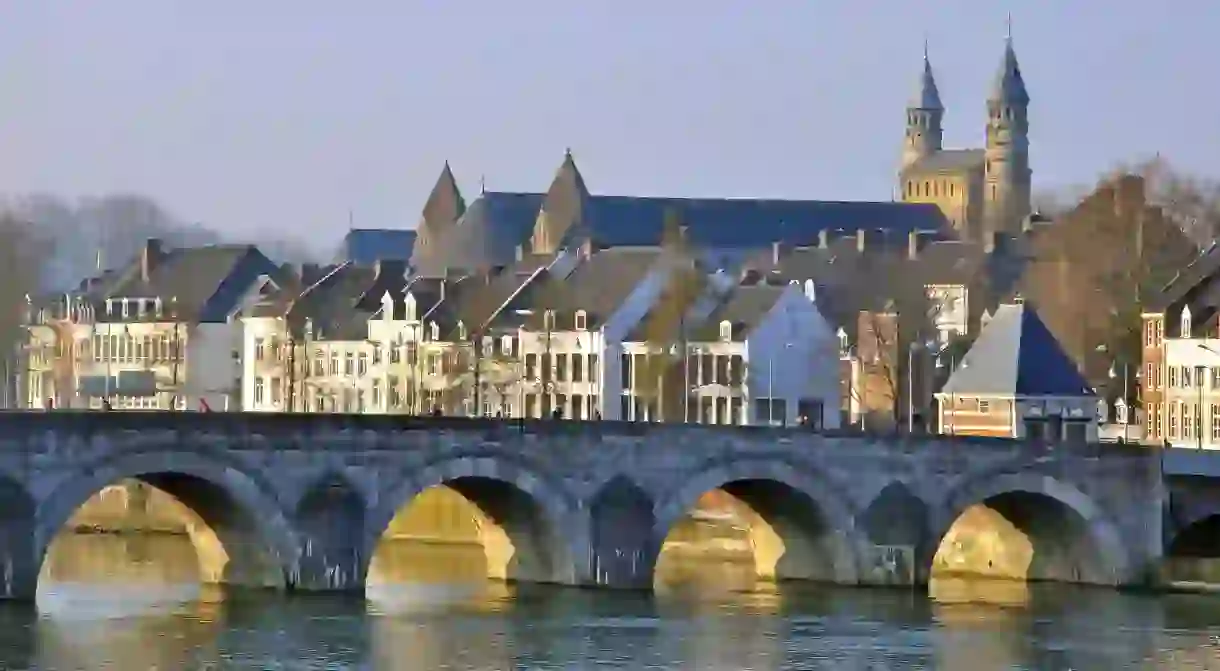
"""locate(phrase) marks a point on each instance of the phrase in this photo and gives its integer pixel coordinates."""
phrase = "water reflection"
(429, 609)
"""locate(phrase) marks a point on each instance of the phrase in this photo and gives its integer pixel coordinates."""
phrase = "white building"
(764, 355)
(159, 334)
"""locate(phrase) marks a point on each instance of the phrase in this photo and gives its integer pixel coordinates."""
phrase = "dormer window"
(434, 331)
(109, 307)
(1185, 325)
(157, 305)
(461, 331)
(548, 320)
(125, 308)
(842, 339)
(582, 320)
(726, 331)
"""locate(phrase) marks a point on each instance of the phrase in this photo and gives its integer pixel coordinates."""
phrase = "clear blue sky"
(283, 114)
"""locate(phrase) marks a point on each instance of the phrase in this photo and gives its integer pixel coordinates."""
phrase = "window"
(1215, 377)
(984, 406)
(593, 368)
(1173, 376)
(1173, 420)
(334, 363)
(349, 363)
(362, 364)
(506, 345)
(1187, 422)
(548, 320)
(376, 394)
(531, 366)
(259, 390)
(581, 320)
(578, 368)
(461, 331)
(561, 367)
(319, 365)
(434, 331)
(1215, 423)
(276, 391)
(1185, 377)
(726, 331)
(1185, 322)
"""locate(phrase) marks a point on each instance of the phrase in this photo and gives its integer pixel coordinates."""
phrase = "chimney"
(586, 249)
(149, 257)
(779, 251)
(860, 239)
(913, 245)
(823, 239)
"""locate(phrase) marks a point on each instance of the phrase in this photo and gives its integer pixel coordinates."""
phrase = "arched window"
(726, 331)
(434, 331)
(1185, 325)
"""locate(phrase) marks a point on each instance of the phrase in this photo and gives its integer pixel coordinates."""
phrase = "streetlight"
(926, 345)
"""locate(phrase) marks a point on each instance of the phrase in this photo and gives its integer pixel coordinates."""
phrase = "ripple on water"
(68, 601)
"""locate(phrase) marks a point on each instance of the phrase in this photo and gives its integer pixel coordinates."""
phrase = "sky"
(288, 117)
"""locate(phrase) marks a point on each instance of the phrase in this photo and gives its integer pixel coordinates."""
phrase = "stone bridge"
(300, 501)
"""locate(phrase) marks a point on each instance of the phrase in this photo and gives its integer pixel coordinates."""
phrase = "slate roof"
(366, 246)
(1016, 355)
(201, 284)
(496, 223)
(598, 285)
(948, 160)
(745, 309)
(486, 235)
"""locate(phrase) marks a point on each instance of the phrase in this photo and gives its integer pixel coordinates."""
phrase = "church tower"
(925, 115)
(1006, 172)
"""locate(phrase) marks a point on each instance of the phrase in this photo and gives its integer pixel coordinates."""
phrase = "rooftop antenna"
(925, 46)
(1008, 27)
(482, 184)
(351, 220)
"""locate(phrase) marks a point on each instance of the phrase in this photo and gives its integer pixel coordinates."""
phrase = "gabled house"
(1016, 381)
(764, 355)
(160, 333)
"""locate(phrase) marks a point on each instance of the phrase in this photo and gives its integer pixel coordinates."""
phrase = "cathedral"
(982, 192)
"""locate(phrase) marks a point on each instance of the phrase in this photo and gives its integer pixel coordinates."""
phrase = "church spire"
(925, 115)
(1009, 85)
(928, 96)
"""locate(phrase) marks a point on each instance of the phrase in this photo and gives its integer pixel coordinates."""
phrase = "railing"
(245, 423)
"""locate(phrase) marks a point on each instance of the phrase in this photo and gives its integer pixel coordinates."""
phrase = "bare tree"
(1089, 273)
(22, 254)
(664, 377)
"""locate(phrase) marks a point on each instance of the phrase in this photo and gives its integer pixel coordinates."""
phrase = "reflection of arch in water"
(253, 542)
(523, 516)
(802, 526)
(1028, 527)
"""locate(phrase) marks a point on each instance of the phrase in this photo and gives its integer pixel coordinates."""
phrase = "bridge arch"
(248, 540)
(527, 517)
(1061, 534)
(803, 524)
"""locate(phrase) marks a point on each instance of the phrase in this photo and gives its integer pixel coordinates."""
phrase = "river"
(428, 611)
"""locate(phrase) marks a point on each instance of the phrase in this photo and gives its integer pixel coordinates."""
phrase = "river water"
(110, 602)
